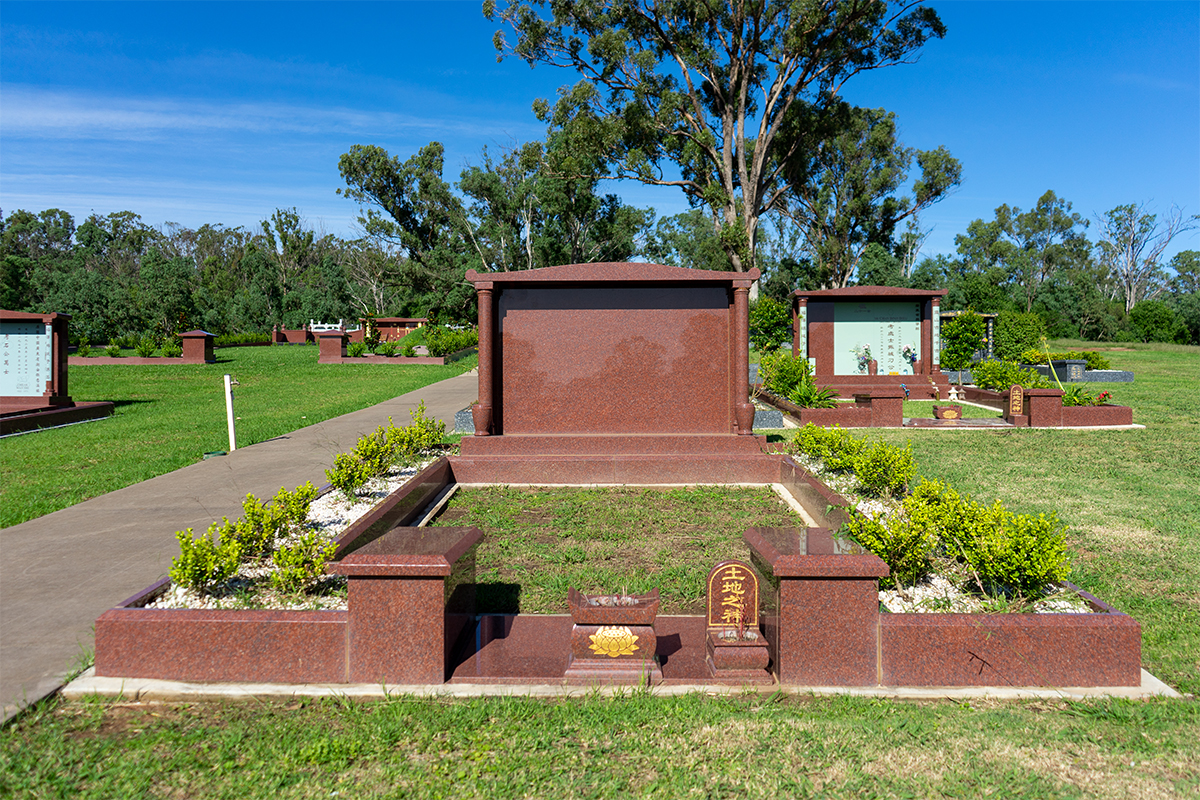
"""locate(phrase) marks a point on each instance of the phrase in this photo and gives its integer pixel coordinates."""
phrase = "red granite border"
(823, 624)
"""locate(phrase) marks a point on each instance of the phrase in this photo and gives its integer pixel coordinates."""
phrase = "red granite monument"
(871, 338)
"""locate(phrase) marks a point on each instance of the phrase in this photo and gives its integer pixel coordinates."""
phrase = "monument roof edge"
(611, 271)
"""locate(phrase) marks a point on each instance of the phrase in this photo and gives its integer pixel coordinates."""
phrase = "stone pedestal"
(333, 347)
(613, 643)
(410, 596)
(738, 659)
(198, 347)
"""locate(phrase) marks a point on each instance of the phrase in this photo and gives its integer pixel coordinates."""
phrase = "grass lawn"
(537, 542)
(167, 417)
(1129, 497)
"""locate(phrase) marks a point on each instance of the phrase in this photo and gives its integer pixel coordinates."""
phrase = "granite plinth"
(742, 661)
(400, 586)
(1101, 649)
(198, 347)
(821, 622)
(947, 412)
(222, 645)
(1105, 414)
(535, 648)
(19, 422)
(332, 346)
(881, 408)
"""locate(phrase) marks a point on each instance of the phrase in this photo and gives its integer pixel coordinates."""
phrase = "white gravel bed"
(329, 515)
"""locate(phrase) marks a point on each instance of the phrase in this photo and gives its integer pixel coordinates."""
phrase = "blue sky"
(221, 112)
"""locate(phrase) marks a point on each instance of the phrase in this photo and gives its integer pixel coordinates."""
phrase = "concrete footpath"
(58, 573)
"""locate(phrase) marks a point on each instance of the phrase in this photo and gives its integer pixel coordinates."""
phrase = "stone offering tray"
(410, 618)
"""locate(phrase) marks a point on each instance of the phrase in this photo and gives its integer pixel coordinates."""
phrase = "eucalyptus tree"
(694, 93)
(1132, 242)
(846, 179)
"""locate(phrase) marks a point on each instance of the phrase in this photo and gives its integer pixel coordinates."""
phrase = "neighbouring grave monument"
(33, 374)
(867, 338)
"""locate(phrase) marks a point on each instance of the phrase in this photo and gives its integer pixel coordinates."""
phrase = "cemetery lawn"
(1128, 497)
(638, 745)
(168, 417)
(539, 541)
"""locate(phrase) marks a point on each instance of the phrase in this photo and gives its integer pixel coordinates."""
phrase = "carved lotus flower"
(613, 641)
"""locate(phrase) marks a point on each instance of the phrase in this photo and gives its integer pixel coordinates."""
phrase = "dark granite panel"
(227, 645)
(828, 632)
(597, 360)
(31, 420)
(1010, 650)
(396, 632)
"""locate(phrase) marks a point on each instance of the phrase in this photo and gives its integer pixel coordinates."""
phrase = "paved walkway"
(59, 572)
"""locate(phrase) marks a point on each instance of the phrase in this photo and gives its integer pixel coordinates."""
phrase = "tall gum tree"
(706, 84)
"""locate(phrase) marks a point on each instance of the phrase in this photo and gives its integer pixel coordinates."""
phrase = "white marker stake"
(229, 384)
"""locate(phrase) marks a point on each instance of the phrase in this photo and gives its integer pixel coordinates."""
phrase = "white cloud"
(33, 113)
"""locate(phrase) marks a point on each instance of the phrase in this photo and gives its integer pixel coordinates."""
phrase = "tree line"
(738, 106)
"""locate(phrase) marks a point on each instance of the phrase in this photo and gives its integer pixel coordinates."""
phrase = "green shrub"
(1077, 395)
(421, 435)
(834, 446)
(172, 348)
(356, 349)
(145, 346)
(408, 351)
(1000, 375)
(386, 348)
(298, 564)
(1094, 360)
(961, 337)
(84, 350)
(293, 506)
(808, 395)
(348, 474)
(883, 468)
(1017, 332)
(1007, 553)
(1155, 321)
(442, 341)
(1016, 554)
(770, 324)
(113, 350)
(204, 562)
(904, 546)
(234, 339)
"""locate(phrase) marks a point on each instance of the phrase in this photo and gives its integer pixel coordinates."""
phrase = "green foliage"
(961, 337)
(884, 469)
(204, 562)
(786, 376)
(234, 339)
(1076, 395)
(1017, 332)
(172, 348)
(1000, 375)
(356, 349)
(903, 544)
(113, 350)
(84, 350)
(807, 394)
(146, 346)
(835, 446)
(298, 564)
(409, 350)
(442, 341)
(378, 452)
(1094, 359)
(1155, 321)
(386, 349)
(770, 324)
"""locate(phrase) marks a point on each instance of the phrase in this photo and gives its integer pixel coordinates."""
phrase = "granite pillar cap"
(813, 553)
(409, 552)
